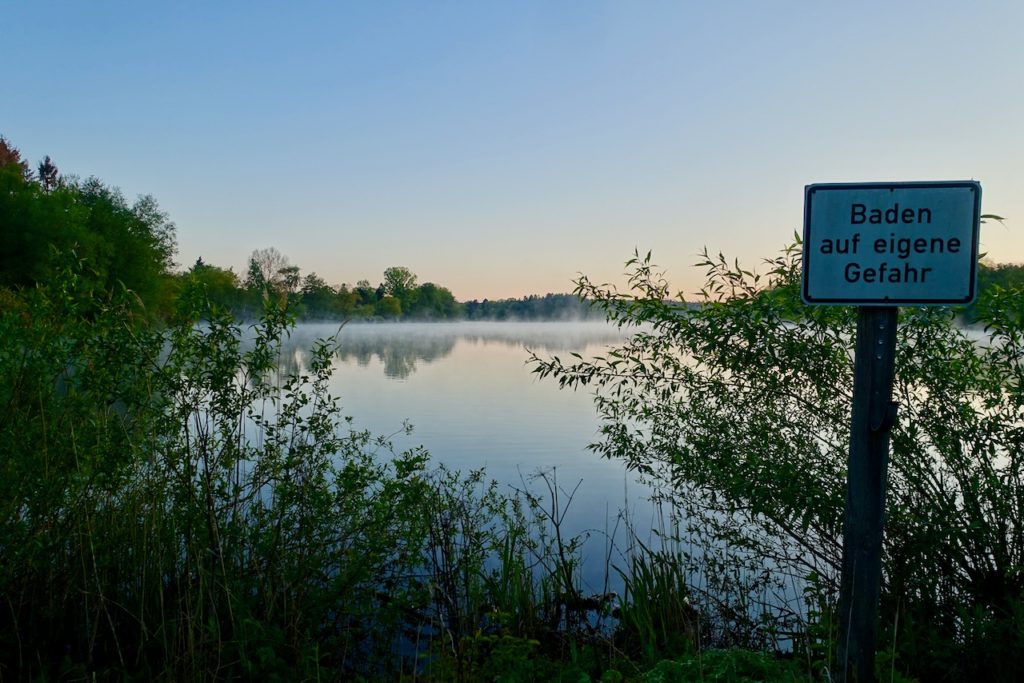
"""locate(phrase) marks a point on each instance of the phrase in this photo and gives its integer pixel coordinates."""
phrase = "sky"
(503, 148)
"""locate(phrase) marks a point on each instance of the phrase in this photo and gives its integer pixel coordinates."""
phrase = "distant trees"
(316, 294)
(388, 307)
(46, 219)
(547, 307)
(320, 301)
(220, 286)
(398, 296)
(434, 301)
(399, 282)
(366, 297)
(270, 274)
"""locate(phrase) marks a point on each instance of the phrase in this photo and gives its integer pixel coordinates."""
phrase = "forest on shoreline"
(44, 216)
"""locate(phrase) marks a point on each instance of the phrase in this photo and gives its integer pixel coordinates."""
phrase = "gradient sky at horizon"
(500, 148)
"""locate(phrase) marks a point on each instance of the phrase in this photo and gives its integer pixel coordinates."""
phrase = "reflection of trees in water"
(398, 353)
(552, 341)
(397, 347)
(400, 346)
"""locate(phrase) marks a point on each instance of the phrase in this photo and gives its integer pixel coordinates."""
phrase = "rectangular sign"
(891, 244)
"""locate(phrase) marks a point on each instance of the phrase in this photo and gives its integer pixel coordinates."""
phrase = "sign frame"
(808, 287)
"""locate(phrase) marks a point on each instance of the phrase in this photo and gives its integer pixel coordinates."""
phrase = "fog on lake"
(473, 402)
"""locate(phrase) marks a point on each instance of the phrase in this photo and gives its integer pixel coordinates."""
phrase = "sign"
(891, 244)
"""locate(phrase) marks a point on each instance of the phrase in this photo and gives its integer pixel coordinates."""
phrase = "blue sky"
(499, 148)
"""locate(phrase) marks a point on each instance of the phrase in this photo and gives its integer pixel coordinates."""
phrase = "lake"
(473, 402)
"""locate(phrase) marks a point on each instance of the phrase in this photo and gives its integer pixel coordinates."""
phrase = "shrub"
(738, 407)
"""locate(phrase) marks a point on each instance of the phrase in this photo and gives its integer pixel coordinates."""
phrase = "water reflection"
(398, 354)
(474, 403)
(400, 347)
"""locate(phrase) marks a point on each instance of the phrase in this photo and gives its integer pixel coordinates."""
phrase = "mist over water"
(401, 346)
(473, 402)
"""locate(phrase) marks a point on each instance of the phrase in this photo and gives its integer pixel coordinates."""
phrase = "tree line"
(47, 218)
(272, 278)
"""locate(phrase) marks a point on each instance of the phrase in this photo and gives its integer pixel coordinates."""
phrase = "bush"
(172, 503)
(739, 408)
(184, 503)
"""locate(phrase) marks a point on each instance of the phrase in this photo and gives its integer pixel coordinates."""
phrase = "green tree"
(220, 287)
(398, 280)
(133, 245)
(432, 301)
(270, 275)
(347, 300)
(366, 299)
(319, 300)
(400, 283)
(120, 244)
(48, 174)
(738, 410)
(388, 307)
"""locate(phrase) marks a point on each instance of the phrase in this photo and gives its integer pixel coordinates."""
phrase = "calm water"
(473, 402)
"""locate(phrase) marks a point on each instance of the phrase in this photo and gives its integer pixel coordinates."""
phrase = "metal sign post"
(878, 246)
(874, 415)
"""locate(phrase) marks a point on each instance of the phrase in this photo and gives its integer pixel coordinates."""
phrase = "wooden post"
(874, 415)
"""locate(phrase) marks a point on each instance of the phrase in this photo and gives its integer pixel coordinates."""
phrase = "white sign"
(891, 244)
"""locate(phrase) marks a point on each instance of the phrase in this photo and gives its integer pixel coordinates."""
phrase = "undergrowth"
(175, 506)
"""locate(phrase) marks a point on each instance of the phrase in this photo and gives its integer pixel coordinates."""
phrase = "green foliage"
(10, 156)
(120, 244)
(738, 408)
(995, 281)
(388, 307)
(270, 276)
(656, 619)
(216, 289)
(319, 301)
(175, 504)
(49, 174)
(725, 666)
(547, 307)
(182, 503)
(400, 283)
(505, 658)
(433, 302)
